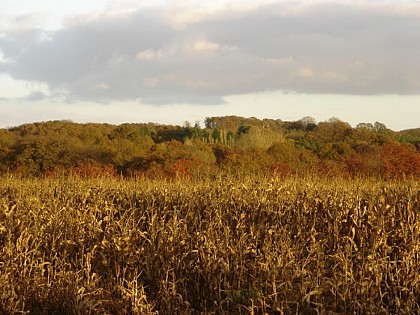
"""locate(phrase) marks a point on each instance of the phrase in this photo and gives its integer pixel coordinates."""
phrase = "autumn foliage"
(399, 159)
(230, 145)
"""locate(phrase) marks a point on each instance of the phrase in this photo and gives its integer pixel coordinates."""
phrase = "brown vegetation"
(227, 246)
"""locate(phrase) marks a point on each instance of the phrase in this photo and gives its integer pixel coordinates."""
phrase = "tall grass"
(253, 246)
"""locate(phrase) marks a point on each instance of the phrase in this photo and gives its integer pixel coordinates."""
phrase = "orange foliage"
(91, 169)
(399, 159)
(185, 168)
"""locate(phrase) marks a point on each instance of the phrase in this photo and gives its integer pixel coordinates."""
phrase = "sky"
(168, 62)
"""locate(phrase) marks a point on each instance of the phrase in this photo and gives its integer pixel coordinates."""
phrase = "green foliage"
(411, 136)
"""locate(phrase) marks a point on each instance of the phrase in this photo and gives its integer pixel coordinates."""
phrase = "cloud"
(11, 89)
(35, 96)
(359, 48)
(102, 86)
(205, 45)
(150, 54)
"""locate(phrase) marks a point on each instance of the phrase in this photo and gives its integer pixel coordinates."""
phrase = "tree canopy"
(230, 144)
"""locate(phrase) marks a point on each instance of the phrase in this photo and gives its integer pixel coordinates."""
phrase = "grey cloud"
(351, 50)
(325, 48)
(35, 96)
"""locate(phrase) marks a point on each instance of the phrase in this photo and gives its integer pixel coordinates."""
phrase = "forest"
(228, 145)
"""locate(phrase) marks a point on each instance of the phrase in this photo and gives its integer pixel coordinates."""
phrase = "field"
(226, 246)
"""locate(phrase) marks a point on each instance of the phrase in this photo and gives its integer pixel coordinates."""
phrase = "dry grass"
(256, 246)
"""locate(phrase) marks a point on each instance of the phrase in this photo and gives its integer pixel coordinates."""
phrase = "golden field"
(226, 246)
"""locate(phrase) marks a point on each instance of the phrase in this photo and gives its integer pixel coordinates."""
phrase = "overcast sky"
(121, 61)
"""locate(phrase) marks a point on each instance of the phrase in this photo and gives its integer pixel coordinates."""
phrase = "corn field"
(226, 246)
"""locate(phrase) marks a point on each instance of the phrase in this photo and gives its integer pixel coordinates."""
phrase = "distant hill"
(410, 136)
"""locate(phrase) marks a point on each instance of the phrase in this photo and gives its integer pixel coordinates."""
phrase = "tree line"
(225, 145)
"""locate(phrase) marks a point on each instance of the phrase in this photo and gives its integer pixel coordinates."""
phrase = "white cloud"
(205, 45)
(150, 54)
(180, 19)
(18, 89)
